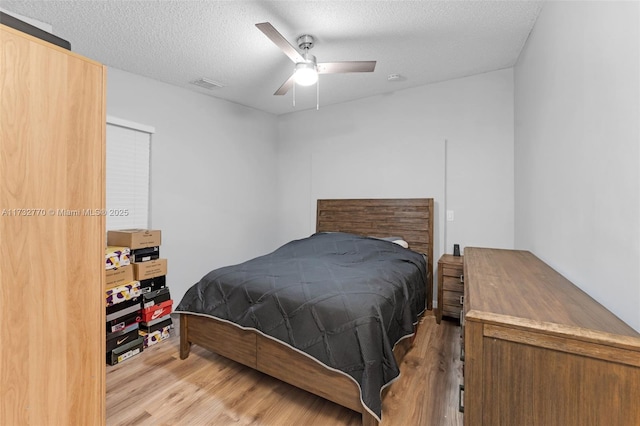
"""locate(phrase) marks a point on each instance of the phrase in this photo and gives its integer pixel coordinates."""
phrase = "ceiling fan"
(307, 68)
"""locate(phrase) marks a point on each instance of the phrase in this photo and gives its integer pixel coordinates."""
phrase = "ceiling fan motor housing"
(305, 42)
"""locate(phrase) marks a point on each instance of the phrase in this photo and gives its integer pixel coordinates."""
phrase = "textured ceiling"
(180, 41)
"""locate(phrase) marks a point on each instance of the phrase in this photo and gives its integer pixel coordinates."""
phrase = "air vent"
(207, 83)
(395, 77)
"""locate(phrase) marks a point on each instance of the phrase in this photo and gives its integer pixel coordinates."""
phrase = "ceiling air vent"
(207, 83)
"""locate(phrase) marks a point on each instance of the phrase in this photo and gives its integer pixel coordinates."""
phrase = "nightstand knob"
(461, 278)
(462, 300)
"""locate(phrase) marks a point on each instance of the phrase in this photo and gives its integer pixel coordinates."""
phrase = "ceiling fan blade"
(346, 66)
(280, 41)
(285, 86)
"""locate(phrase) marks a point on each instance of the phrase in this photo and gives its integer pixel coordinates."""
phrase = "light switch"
(449, 215)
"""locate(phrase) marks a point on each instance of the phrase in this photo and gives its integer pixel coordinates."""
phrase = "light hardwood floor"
(157, 388)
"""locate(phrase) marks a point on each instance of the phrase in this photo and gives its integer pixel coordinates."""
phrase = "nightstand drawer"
(452, 271)
(452, 298)
(452, 284)
(450, 310)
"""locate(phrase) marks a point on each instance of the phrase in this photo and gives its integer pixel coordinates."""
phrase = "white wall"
(222, 193)
(576, 152)
(393, 146)
(213, 174)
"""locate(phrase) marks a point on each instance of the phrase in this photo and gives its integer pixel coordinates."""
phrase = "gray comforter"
(342, 299)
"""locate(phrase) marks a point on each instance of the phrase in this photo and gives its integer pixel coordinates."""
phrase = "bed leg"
(368, 419)
(430, 291)
(185, 345)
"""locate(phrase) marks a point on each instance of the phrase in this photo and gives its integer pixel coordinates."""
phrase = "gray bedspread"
(343, 299)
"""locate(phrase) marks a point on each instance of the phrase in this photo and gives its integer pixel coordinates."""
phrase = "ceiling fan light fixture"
(306, 67)
(306, 73)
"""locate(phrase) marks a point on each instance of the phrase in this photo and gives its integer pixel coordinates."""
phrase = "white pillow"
(398, 240)
(402, 243)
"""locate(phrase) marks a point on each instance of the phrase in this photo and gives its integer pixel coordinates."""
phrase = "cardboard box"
(153, 284)
(145, 257)
(122, 306)
(117, 277)
(155, 297)
(121, 322)
(116, 256)
(154, 337)
(129, 309)
(157, 311)
(124, 292)
(145, 254)
(156, 324)
(146, 250)
(122, 337)
(150, 269)
(134, 238)
(125, 351)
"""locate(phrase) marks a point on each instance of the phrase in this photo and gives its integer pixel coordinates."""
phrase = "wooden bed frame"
(411, 219)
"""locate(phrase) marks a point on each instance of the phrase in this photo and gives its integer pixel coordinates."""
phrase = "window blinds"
(128, 152)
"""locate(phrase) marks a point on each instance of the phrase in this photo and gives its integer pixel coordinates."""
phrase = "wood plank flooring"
(157, 388)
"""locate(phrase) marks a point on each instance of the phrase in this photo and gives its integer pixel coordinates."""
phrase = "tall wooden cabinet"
(52, 171)
(540, 351)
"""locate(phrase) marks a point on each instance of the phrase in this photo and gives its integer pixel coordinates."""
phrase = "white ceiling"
(181, 41)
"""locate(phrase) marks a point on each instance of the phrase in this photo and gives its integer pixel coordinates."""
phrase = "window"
(128, 155)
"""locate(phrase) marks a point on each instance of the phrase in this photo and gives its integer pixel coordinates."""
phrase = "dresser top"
(520, 288)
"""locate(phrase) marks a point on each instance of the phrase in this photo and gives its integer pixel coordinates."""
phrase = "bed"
(339, 222)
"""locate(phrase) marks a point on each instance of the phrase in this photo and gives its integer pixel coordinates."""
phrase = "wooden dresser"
(450, 286)
(540, 351)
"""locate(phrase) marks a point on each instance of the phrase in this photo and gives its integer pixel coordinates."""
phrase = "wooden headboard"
(409, 218)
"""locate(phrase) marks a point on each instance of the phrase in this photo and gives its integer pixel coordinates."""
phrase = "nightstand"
(450, 286)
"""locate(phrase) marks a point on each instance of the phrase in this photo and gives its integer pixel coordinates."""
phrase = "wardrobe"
(52, 231)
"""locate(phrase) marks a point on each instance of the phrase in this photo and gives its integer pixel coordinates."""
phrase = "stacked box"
(155, 334)
(122, 304)
(123, 339)
(155, 297)
(125, 292)
(116, 256)
(156, 321)
(118, 277)
(145, 254)
(119, 338)
(150, 271)
(154, 312)
(134, 238)
(126, 351)
(123, 315)
(153, 284)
